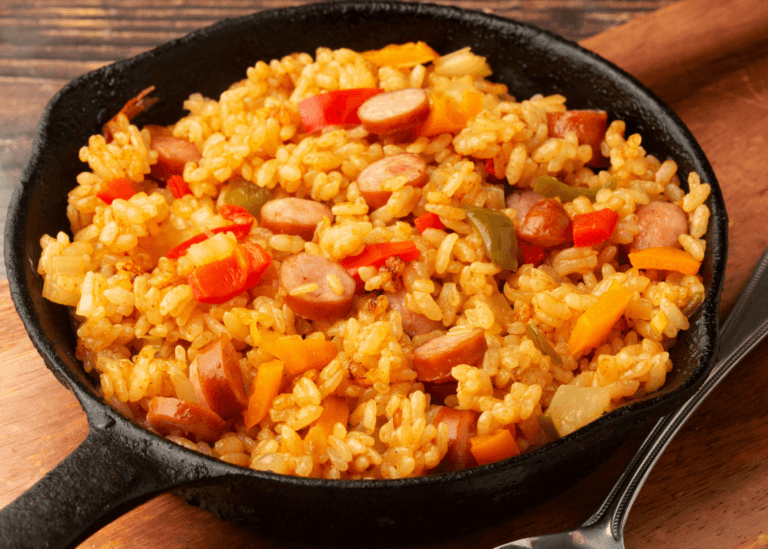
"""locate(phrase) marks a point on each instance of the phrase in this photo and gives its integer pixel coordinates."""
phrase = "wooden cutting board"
(709, 61)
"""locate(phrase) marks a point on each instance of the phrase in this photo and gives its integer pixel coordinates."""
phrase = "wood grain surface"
(708, 59)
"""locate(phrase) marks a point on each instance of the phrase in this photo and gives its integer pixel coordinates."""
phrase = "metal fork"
(745, 328)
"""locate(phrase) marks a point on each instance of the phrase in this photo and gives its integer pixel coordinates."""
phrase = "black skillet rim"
(16, 260)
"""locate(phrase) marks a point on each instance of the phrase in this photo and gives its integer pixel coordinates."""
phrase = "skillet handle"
(92, 486)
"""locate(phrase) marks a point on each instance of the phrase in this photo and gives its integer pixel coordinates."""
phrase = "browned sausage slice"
(172, 153)
(171, 416)
(660, 224)
(394, 111)
(546, 224)
(217, 379)
(434, 359)
(296, 216)
(412, 166)
(413, 323)
(590, 127)
(523, 202)
(322, 302)
(462, 425)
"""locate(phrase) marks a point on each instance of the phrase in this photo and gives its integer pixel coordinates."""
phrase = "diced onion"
(462, 62)
(573, 407)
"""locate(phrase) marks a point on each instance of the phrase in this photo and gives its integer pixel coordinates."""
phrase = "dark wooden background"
(707, 58)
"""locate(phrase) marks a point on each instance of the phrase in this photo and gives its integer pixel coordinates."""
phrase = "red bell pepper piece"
(594, 228)
(242, 223)
(428, 220)
(259, 261)
(117, 188)
(335, 108)
(489, 169)
(178, 186)
(374, 255)
(221, 280)
(532, 254)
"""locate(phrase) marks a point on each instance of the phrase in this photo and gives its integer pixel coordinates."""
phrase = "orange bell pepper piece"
(489, 448)
(595, 323)
(264, 389)
(445, 116)
(301, 355)
(666, 258)
(335, 410)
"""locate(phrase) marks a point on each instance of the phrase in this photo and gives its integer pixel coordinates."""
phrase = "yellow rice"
(139, 327)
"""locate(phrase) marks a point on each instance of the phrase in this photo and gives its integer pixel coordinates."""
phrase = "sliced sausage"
(462, 425)
(412, 166)
(394, 111)
(323, 302)
(546, 224)
(434, 359)
(173, 153)
(523, 202)
(215, 374)
(171, 416)
(590, 127)
(660, 224)
(413, 323)
(296, 216)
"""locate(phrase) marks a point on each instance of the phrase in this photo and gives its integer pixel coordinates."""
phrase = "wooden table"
(707, 59)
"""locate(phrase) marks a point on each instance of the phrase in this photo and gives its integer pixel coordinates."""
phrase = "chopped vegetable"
(335, 410)
(489, 167)
(402, 55)
(666, 258)
(498, 234)
(264, 389)
(573, 407)
(374, 255)
(532, 254)
(550, 187)
(541, 343)
(594, 227)
(531, 429)
(547, 427)
(489, 448)
(446, 116)
(240, 228)
(595, 323)
(221, 280)
(260, 260)
(335, 108)
(131, 109)
(462, 62)
(247, 195)
(589, 126)
(117, 188)
(428, 220)
(178, 186)
(300, 355)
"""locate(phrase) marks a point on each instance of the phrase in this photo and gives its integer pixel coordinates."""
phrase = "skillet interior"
(529, 61)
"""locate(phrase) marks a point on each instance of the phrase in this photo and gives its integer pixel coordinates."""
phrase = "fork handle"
(745, 328)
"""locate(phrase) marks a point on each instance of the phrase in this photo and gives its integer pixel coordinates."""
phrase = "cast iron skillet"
(120, 465)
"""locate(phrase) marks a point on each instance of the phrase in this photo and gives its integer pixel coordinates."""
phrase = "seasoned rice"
(140, 327)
